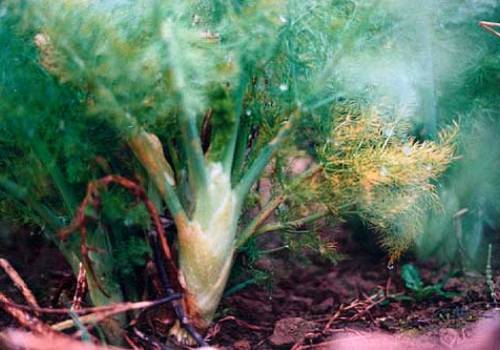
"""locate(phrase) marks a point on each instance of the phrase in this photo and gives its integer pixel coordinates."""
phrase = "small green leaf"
(412, 280)
(411, 277)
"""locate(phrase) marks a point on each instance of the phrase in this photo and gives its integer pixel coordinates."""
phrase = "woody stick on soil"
(18, 282)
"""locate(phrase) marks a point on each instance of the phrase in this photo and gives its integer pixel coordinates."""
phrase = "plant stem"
(191, 143)
(290, 224)
(272, 205)
(190, 137)
(148, 150)
(240, 149)
(265, 156)
(229, 152)
(172, 152)
(258, 220)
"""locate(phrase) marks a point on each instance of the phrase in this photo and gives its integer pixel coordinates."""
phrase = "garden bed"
(302, 304)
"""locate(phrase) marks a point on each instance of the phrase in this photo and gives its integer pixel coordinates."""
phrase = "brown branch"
(335, 316)
(96, 309)
(23, 318)
(360, 307)
(81, 286)
(92, 198)
(489, 27)
(18, 282)
(366, 309)
(104, 313)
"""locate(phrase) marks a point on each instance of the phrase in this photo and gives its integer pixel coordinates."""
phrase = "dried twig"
(388, 285)
(216, 328)
(366, 309)
(92, 315)
(122, 306)
(65, 283)
(361, 307)
(23, 318)
(104, 313)
(18, 282)
(335, 316)
(81, 286)
(489, 27)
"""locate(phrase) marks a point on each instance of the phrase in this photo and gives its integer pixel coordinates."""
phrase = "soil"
(305, 305)
(312, 304)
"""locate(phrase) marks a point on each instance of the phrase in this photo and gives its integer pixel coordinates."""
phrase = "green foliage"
(373, 169)
(194, 100)
(300, 241)
(472, 183)
(117, 209)
(131, 254)
(420, 291)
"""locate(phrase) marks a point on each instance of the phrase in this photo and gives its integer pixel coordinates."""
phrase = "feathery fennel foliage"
(375, 170)
(194, 100)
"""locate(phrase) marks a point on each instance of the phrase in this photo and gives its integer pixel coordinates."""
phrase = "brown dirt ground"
(307, 304)
(308, 301)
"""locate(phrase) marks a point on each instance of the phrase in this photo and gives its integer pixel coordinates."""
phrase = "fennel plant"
(196, 101)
